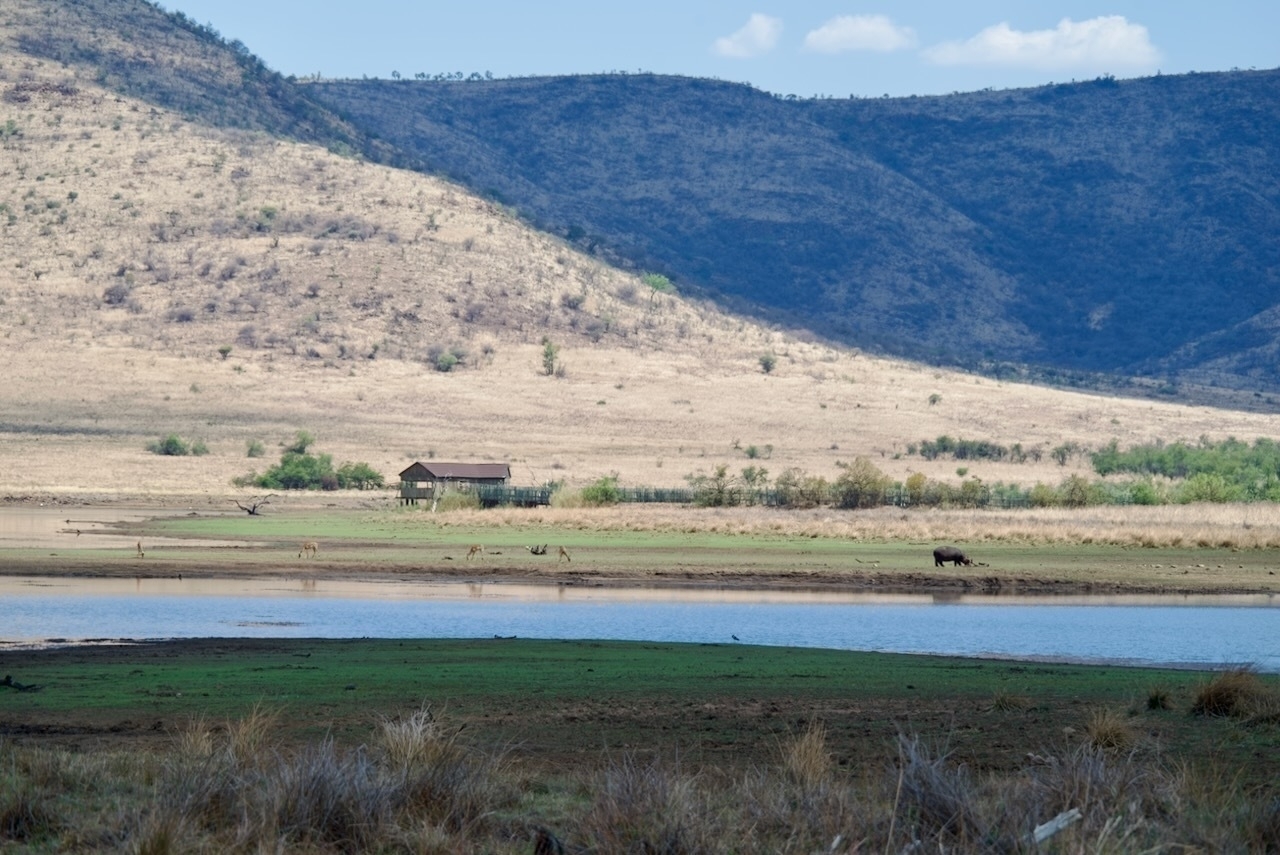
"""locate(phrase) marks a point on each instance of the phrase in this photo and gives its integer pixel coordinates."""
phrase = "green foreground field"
(577, 700)
(562, 713)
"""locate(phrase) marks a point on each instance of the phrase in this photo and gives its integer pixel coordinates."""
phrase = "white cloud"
(1108, 43)
(859, 32)
(759, 35)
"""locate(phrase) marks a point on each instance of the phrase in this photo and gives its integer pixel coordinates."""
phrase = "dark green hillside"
(1136, 216)
(1105, 226)
(721, 187)
(138, 49)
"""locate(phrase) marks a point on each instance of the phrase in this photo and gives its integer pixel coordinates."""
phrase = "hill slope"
(159, 274)
(1117, 226)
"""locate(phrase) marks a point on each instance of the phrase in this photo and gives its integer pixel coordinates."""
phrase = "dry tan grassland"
(134, 244)
(1225, 526)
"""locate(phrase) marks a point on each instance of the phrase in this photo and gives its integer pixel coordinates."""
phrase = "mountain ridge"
(1094, 226)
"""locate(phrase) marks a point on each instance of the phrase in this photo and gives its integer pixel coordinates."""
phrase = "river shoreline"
(882, 551)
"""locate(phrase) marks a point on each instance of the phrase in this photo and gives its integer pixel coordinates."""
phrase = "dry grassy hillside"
(135, 245)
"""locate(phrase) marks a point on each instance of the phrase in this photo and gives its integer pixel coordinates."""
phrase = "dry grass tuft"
(1158, 698)
(194, 740)
(1109, 730)
(1007, 702)
(1237, 693)
(648, 807)
(807, 758)
(248, 738)
(415, 740)
(939, 798)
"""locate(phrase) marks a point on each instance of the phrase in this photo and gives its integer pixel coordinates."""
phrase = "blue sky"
(802, 47)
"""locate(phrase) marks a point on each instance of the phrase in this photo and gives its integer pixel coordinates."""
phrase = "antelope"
(476, 549)
(309, 549)
(564, 553)
(141, 554)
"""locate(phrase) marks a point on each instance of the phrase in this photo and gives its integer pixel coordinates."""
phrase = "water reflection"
(1182, 630)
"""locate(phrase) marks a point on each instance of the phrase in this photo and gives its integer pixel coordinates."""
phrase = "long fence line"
(496, 496)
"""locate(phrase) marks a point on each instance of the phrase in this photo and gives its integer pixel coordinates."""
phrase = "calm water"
(1183, 631)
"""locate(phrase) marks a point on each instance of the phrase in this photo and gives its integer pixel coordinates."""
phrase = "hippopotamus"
(943, 554)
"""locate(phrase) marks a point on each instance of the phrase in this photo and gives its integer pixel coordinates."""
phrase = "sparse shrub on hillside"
(1062, 453)
(445, 359)
(959, 449)
(175, 446)
(550, 357)
(658, 284)
(768, 362)
(255, 449)
(302, 440)
(116, 295)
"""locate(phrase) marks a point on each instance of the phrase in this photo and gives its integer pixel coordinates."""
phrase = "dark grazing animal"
(943, 554)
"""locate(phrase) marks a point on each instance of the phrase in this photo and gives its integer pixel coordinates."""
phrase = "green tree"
(717, 490)
(1208, 487)
(768, 362)
(860, 485)
(796, 489)
(1042, 496)
(1075, 492)
(172, 446)
(359, 476)
(300, 471)
(302, 440)
(603, 491)
(916, 482)
(550, 356)
(755, 480)
(658, 284)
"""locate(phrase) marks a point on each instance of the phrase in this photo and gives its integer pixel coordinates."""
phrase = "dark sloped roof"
(455, 471)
